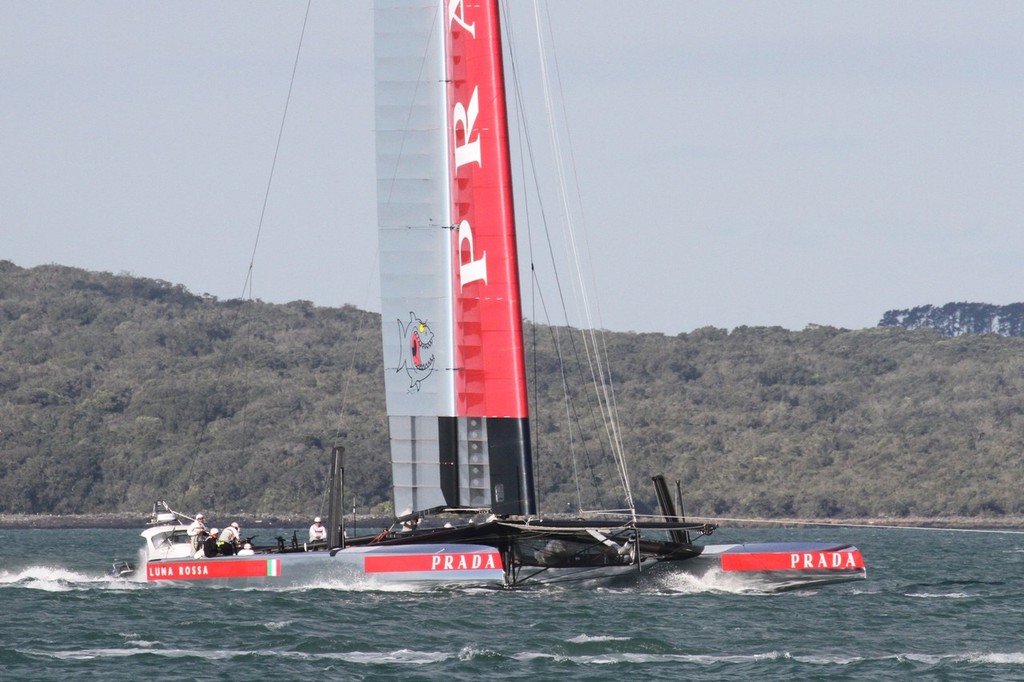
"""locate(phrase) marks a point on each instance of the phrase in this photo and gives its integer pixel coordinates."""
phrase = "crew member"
(210, 547)
(230, 539)
(197, 532)
(317, 532)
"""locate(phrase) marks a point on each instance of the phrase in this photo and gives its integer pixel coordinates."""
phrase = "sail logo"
(466, 150)
(457, 13)
(464, 119)
(487, 375)
(472, 270)
(417, 359)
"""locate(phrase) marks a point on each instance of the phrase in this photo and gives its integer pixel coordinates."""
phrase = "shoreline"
(135, 520)
(127, 521)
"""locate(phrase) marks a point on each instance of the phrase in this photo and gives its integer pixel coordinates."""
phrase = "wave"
(990, 658)
(714, 580)
(410, 656)
(414, 657)
(586, 639)
(59, 579)
(339, 583)
(1016, 658)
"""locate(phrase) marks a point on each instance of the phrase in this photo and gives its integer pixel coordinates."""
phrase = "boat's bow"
(785, 565)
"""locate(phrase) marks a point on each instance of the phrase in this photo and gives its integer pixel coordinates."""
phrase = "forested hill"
(956, 319)
(118, 391)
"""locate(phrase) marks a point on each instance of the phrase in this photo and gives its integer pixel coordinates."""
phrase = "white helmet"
(234, 525)
(199, 516)
(316, 520)
(247, 546)
(214, 531)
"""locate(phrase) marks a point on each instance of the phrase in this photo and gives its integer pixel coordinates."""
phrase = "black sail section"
(511, 474)
(448, 457)
(482, 464)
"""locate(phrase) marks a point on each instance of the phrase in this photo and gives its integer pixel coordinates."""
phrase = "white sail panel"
(414, 461)
(413, 207)
(414, 219)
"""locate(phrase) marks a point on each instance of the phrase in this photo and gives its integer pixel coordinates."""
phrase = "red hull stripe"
(793, 561)
(210, 570)
(456, 561)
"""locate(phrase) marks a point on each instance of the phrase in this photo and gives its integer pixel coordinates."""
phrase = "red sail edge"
(491, 378)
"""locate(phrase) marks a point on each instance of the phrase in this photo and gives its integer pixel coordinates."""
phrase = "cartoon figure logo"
(416, 360)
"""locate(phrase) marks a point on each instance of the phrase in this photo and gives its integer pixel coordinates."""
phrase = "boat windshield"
(170, 538)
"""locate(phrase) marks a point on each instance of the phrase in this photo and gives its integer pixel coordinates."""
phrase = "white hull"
(168, 557)
(417, 566)
(478, 556)
(414, 566)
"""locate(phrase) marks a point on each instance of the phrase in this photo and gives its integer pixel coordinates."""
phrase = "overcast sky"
(739, 163)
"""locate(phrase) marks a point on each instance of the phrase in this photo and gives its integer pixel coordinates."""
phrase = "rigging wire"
(247, 288)
(847, 524)
(247, 285)
(277, 149)
(535, 291)
(600, 373)
(528, 158)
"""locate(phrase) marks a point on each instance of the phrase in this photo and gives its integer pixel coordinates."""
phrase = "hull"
(169, 557)
(591, 555)
(427, 565)
(768, 568)
(780, 566)
(508, 554)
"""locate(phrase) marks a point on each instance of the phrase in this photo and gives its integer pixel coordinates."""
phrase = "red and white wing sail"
(451, 315)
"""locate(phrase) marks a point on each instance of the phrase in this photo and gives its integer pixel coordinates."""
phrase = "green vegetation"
(116, 391)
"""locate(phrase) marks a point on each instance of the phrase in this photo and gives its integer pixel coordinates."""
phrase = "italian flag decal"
(274, 568)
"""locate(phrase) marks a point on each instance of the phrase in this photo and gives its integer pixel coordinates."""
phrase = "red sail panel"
(491, 379)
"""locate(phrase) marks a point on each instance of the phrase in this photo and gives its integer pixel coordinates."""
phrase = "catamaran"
(458, 417)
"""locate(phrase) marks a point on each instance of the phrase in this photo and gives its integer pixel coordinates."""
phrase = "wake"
(59, 579)
(712, 581)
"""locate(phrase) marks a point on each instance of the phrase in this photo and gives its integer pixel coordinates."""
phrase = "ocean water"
(939, 605)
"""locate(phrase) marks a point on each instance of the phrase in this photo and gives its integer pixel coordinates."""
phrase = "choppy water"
(936, 605)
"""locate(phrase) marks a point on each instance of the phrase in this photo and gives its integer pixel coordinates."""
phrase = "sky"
(735, 163)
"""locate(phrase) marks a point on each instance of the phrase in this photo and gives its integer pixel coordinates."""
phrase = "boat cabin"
(167, 542)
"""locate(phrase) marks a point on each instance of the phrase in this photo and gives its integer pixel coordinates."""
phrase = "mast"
(336, 499)
(451, 316)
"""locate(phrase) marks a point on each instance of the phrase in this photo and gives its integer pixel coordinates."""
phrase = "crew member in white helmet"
(210, 548)
(317, 532)
(197, 531)
(230, 539)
